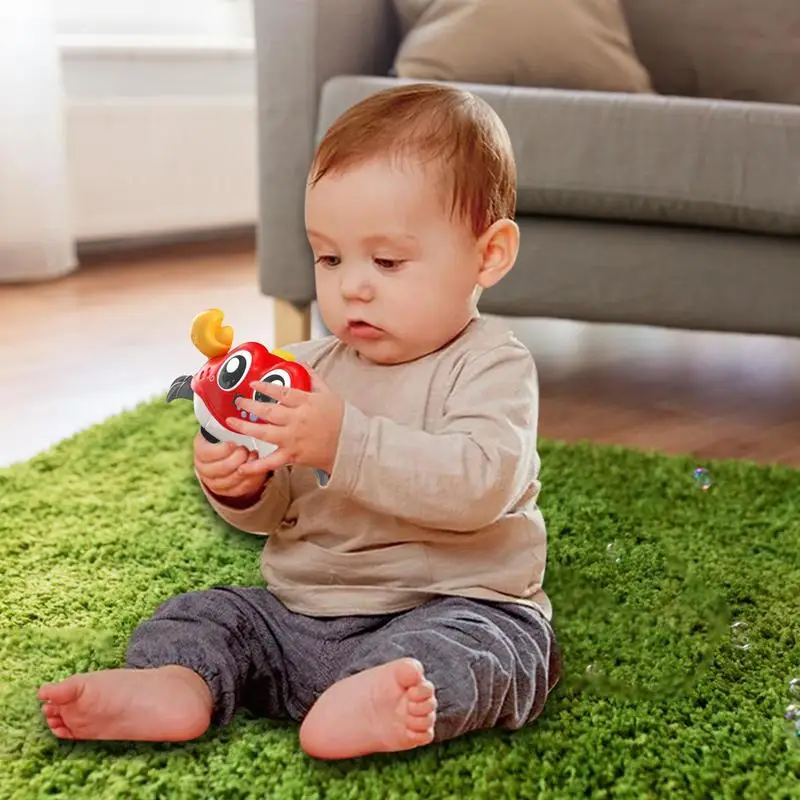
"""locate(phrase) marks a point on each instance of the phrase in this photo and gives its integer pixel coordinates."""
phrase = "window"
(205, 19)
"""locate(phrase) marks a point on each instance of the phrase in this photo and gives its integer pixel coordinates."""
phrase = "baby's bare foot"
(383, 709)
(168, 704)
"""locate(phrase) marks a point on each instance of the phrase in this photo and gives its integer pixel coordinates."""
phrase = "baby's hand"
(218, 467)
(304, 426)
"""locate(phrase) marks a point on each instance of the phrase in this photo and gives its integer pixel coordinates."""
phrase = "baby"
(405, 552)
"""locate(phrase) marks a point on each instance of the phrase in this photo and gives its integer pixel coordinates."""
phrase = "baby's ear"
(498, 248)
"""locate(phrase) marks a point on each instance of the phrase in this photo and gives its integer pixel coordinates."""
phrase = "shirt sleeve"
(265, 515)
(466, 475)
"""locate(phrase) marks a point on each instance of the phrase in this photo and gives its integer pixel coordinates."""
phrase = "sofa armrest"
(300, 44)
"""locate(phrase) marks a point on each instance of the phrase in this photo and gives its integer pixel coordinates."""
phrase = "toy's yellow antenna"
(209, 335)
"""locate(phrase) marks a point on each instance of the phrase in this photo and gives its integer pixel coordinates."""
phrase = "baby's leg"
(488, 664)
(188, 666)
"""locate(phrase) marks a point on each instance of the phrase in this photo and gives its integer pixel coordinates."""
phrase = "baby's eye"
(329, 261)
(388, 263)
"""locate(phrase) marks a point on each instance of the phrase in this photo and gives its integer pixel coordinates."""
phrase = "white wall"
(206, 18)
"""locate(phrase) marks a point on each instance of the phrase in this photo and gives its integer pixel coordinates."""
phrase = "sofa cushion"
(641, 158)
(731, 49)
(567, 44)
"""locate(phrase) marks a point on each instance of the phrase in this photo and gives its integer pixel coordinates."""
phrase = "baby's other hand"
(218, 466)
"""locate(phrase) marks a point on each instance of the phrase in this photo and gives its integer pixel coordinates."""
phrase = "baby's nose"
(357, 288)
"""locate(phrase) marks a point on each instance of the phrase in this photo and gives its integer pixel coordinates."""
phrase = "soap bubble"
(612, 551)
(739, 638)
(794, 687)
(702, 478)
(792, 713)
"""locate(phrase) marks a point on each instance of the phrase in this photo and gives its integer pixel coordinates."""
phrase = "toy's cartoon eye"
(280, 377)
(234, 370)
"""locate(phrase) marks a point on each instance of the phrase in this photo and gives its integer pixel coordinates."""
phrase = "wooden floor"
(116, 332)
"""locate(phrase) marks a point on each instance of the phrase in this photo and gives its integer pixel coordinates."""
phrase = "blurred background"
(133, 194)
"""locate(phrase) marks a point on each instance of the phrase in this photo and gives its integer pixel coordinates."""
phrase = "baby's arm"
(469, 473)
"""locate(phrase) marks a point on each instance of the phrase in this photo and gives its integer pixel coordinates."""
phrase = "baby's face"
(396, 275)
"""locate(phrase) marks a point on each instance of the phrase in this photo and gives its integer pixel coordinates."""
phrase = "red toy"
(227, 376)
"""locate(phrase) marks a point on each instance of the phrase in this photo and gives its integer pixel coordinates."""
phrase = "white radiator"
(161, 136)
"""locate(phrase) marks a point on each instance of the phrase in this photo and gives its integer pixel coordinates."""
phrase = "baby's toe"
(56, 724)
(61, 731)
(422, 709)
(421, 724)
(421, 692)
(420, 739)
(409, 673)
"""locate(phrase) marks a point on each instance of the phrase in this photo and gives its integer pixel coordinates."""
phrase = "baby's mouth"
(363, 330)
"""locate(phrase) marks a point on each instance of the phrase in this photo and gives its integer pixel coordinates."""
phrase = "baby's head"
(409, 212)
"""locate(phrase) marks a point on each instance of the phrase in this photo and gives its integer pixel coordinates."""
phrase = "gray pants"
(492, 664)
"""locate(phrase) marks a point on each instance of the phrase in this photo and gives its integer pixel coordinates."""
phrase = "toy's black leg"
(208, 436)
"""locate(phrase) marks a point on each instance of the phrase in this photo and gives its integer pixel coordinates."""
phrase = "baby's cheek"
(418, 310)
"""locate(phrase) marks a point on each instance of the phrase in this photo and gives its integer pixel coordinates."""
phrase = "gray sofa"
(648, 209)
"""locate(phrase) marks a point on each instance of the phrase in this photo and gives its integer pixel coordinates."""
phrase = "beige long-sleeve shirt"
(433, 490)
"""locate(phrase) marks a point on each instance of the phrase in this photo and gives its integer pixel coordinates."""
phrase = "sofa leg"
(292, 323)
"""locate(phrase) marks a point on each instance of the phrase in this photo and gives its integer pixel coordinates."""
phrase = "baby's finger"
(271, 463)
(235, 485)
(272, 413)
(272, 434)
(225, 466)
(208, 452)
(256, 466)
(285, 395)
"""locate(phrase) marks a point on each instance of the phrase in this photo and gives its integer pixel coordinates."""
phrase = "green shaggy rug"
(664, 695)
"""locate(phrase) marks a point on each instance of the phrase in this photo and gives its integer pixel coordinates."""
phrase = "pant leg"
(492, 664)
(229, 636)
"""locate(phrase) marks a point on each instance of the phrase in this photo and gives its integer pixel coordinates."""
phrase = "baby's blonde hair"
(450, 127)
